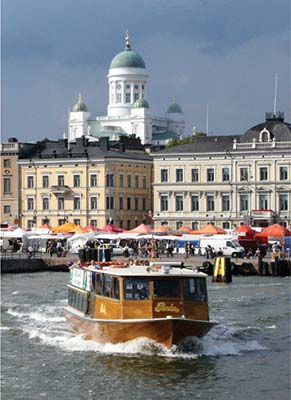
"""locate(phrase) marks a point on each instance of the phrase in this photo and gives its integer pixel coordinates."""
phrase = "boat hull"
(167, 331)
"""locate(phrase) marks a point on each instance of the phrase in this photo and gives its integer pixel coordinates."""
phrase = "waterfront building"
(226, 180)
(86, 183)
(128, 111)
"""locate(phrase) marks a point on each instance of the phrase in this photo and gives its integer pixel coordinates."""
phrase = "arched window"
(265, 136)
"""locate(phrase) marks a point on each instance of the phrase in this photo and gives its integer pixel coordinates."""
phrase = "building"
(84, 182)
(226, 180)
(128, 111)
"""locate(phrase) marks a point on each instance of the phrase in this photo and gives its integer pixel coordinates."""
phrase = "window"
(136, 96)
(144, 203)
(61, 203)
(127, 97)
(30, 224)
(179, 202)
(226, 225)
(129, 181)
(128, 224)
(76, 181)
(283, 173)
(30, 182)
(93, 180)
(244, 174)
(7, 185)
(118, 98)
(225, 174)
(115, 293)
(179, 175)
(144, 182)
(77, 221)
(164, 175)
(263, 174)
(263, 202)
(121, 180)
(225, 202)
(195, 289)
(136, 289)
(210, 174)
(94, 203)
(128, 201)
(164, 202)
(45, 181)
(61, 180)
(136, 203)
(109, 203)
(109, 180)
(244, 202)
(195, 226)
(6, 209)
(210, 203)
(30, 204)
(136, 87)
(77, 203)
(6, 163)
(45, 203)
(121, 203)
(93, 222)
(195, 175)
(166, 288)
(283, 202)
(136, 178)
(195, 203)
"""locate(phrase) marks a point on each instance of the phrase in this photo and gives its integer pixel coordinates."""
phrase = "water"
(247, 356)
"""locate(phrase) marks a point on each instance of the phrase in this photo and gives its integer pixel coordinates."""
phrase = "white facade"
(127, 83)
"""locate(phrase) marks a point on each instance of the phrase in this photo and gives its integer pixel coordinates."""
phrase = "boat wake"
(45, 324)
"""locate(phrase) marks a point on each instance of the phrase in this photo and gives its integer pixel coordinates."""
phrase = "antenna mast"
(207, 119)
(275, 95)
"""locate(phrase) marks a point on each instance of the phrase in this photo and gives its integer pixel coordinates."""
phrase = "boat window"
(115, 288)
(106, 286)
(78, 300)
(99, 283)
(136, 289)
(195, 289)
(166, 288)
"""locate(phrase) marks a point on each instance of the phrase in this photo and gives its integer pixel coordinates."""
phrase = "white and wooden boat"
(116, 303)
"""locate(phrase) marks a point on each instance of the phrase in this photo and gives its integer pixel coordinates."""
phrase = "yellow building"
(84, 183)
(9, 182)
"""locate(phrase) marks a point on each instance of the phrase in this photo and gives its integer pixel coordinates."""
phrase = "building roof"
(80, 105)
(141, 103)
(275, 124)
(165, 135)
(174, 108)
(127, 58)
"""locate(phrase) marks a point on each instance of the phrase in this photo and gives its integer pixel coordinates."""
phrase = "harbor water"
(246, 356)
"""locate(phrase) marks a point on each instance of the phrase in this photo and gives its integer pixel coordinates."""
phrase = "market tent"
(163, 229)
(246, 231)
(92, 228)
(276, 230)
(209, 229)
(66, 227)
(184, 229)
(79, 229)
(111, 228)
(45, 226)
(17, 233)
(141, 229)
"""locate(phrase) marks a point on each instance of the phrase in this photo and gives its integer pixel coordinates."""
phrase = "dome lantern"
(80, 106)
(174, 108)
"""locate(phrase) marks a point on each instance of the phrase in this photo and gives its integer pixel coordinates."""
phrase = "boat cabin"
(138, 292)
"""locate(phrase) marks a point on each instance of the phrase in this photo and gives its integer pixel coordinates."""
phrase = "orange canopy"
(79, 229)
(66, 227)
(184, 229)
(141, 229)
(45, 226)
(249, 232)
(275, 230)
(209, 229)
(163, 229)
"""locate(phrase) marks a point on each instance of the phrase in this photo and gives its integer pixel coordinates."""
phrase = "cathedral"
(128, 111)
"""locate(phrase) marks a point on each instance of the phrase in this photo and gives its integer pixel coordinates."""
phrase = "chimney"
(104, 143)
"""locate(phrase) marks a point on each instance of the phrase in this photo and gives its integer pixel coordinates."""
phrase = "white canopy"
(17, 233)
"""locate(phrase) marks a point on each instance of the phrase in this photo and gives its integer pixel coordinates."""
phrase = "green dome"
(80, 105)
(127, 58)
(141, 103)
(174, 108)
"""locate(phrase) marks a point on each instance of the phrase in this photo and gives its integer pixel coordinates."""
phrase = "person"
(126, 251)
(29, 250)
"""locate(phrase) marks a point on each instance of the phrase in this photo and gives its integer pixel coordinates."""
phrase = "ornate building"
(226, 179)
(128, 111)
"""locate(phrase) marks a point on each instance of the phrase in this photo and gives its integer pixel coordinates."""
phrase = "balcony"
(60, 189)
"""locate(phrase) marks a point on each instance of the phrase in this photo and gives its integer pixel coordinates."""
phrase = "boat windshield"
(136, 288)
(195, 289)
(166, 288)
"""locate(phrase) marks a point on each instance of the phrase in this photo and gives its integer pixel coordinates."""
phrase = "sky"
(220, 55)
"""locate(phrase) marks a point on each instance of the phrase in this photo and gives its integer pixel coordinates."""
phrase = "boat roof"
(147, 271)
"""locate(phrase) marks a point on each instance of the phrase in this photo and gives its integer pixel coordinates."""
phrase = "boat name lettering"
(163, 307)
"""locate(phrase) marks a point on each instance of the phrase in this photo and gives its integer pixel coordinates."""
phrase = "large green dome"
(141, 103)
(127, 58)
(174, 108)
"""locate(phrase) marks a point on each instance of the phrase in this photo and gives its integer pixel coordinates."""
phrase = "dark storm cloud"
(224, 53)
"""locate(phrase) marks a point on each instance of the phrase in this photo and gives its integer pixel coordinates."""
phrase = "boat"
(117, 302)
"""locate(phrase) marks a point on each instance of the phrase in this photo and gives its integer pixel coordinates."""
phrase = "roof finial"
(79, 98)
(127, 44)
